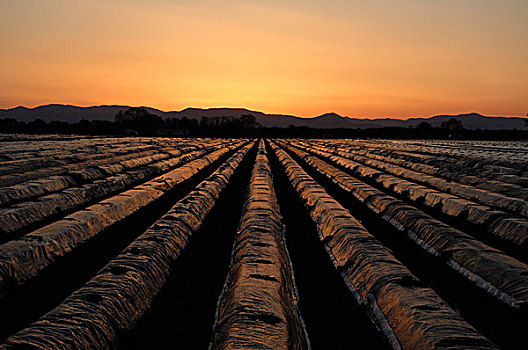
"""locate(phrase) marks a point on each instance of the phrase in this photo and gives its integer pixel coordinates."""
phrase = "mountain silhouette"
(69, 113)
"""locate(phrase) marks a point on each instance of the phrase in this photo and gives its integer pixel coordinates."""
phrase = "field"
(271, 244)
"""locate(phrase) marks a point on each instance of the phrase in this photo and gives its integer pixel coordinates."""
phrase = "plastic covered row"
(258, 308)
(499, 274)
(410, 314)
(114, 300)
(23, 258)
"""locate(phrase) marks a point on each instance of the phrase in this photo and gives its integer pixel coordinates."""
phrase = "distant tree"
(133, 114)
(424, 130)
(10, 125)
(452, 125)
(119, 117)
(38, 126)
(85, 124)
(225, 120)
(248, 121)
(205, 121)
(424, 126)
(140, 120)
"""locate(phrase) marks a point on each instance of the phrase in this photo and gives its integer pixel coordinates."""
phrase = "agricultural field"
(146, 243)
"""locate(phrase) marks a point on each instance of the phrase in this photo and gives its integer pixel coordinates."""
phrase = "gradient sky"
(372, 58)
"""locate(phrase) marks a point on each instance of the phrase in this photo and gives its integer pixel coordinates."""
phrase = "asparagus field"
(147, 243)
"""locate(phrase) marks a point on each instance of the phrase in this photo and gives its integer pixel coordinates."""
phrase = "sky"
(372, 58)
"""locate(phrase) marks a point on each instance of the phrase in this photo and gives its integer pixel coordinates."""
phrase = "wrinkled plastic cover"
(25, 257)
(511, 227)
(410, 314)
(114, 300)
(258, 307)
(502, 276)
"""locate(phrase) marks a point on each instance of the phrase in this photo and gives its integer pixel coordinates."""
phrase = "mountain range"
(68, 113)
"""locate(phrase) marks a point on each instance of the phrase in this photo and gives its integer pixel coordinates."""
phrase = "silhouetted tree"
(11, 125)
(248, 121)
(425, 130)
(205, 122)
(140, 120)
(424, 126)
(452, 125)
(37, 126)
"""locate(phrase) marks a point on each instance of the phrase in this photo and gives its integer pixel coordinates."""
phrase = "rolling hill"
(68, 113)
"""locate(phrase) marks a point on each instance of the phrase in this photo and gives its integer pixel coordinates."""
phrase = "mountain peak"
(471, 114)
(330, 115)
(462, 115)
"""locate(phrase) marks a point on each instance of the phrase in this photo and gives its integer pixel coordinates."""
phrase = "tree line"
(140, 122)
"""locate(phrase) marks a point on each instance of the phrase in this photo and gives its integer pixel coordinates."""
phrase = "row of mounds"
(24, 257)
(112, 302)
(450, 173)
(410, 314)
(490, 269)
(258, 308)
(504, 225)
(105, 152)
(467, 158)
(89, 171)
(489, 196)
(63, 154)
(471, 153)
(28, 213)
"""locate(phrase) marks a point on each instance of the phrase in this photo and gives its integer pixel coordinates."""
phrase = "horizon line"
(267, 113)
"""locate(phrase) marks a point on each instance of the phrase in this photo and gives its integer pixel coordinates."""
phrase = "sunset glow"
(372, 58)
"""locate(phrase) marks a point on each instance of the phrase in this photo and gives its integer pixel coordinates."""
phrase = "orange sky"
(372, 58)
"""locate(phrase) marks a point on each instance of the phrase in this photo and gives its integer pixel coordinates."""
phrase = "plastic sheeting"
(114, 300)
(454, 206)
(90, 173)
(25, 257)
(31, 212)
(110, 152)
(258, 307)
(472, 171)
(411, 315)
(499, 274)
(516, 205)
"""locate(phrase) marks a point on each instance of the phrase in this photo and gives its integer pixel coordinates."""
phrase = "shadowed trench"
(182, 314)
(333, 318)
(504, 326)
(55, 283)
